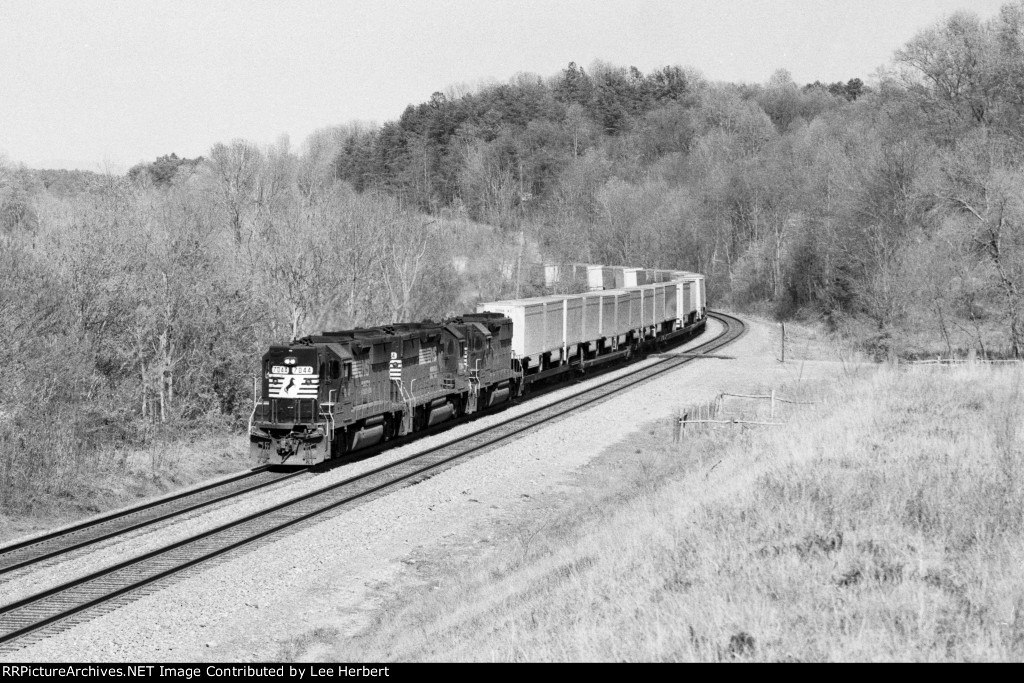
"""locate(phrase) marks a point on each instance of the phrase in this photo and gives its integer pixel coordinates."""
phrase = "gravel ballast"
(333, 574)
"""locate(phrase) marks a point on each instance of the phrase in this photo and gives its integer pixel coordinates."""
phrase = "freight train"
(324, 396)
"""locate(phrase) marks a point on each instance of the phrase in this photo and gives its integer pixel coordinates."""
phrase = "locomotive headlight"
(290, 360)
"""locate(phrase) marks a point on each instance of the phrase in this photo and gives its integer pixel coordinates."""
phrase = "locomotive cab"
(335, 375)
(300, 384)
(488, 356)
(454, 344)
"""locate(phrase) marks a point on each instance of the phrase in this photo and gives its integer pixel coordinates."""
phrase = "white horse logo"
(291, 387)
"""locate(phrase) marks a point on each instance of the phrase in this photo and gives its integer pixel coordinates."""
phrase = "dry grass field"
(881, 522)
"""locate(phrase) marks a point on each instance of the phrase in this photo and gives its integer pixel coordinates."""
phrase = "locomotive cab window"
(335, 369)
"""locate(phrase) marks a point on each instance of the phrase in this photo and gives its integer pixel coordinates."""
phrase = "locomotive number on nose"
(297, 370)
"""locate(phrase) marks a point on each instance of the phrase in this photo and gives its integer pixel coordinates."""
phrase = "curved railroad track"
(59, 608)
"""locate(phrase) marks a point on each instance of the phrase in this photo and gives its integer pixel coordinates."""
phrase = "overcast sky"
(104, 84)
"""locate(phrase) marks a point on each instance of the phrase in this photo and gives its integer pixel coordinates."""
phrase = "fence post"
(773, 404)
(783, 342)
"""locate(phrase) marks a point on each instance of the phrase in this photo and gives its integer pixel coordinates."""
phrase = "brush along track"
(57, 545)
(77, 601)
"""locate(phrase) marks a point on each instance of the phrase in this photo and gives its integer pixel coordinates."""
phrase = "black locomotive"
(329, 394)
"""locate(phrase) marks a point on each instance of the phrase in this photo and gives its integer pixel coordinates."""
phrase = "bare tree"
(984, 184)
(234, 173)
(406, 247)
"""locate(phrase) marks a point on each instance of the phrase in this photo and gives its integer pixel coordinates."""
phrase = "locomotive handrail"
(255, 400)
(329, 415)
(410, 402)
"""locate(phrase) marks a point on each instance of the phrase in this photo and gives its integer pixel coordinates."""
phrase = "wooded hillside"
(894, 212)
(899, 205)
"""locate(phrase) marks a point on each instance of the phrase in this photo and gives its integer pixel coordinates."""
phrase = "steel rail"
(63, 541)
(62, 602)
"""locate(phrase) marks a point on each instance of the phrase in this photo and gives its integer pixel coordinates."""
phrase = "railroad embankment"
(881, 520)
(69, 485)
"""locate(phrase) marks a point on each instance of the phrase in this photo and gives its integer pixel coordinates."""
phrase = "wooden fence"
(709, 413)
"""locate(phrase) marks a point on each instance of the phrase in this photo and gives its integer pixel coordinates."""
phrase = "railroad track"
(61, 543)
(61, 607)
